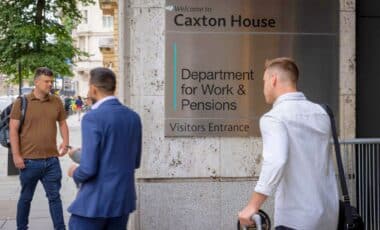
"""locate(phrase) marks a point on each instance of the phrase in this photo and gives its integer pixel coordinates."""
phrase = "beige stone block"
(147, 3)
(347, 65)
(347, 5)
(347, 116)
(347, 23)
(152, 157)
(180, 204)
(136, 104)
(347, 131)
(147, 52)
(180, 157)
(172, 157)
(200, 157)
(240, 157)
(151, 110)
(347, 75)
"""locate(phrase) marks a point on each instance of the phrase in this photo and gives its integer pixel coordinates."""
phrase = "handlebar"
(257, 219)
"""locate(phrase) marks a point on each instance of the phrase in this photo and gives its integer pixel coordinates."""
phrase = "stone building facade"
(195, 183)
(94, 36)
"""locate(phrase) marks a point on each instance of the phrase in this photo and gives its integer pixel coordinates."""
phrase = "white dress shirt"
(298, 166)
(98, 103)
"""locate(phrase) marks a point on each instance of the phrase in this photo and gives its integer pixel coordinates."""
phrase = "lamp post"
(12, 170)
(19, 78)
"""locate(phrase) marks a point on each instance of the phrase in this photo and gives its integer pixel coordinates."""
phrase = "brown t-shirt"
(38, 138)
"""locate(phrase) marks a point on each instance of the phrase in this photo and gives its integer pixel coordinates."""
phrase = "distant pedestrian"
(35, 149)
(79, 106)
(298, 166)
(76, 153)
(87, 104)
(67, 105)
(73, 105)
(111, 151)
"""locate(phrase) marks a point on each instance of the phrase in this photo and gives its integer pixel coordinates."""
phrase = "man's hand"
(252, 208)
(72, 169)
(72, 151)
(246, 214)
(63, 148)
(18, 161)
(64, 129)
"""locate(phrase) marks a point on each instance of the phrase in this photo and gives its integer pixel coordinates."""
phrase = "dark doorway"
(368, 109)
(368, 68)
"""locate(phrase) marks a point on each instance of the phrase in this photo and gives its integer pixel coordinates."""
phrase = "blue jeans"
(112, 223)
(49, 172)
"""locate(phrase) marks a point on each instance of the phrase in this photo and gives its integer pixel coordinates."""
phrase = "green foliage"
(38, 33)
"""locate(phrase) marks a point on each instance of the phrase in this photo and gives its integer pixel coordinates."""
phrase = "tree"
(38, 33)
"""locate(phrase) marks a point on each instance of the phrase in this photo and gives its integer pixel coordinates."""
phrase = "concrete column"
(123, 51)
(347, 89)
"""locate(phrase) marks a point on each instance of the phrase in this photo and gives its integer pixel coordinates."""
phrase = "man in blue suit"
(111, 151)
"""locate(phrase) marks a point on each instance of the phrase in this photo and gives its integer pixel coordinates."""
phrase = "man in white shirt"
(298, 166)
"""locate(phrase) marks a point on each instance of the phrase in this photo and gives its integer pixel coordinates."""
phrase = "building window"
(82, 43)
(84, 16)
(107, 21)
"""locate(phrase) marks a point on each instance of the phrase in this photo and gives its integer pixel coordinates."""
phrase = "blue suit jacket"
(111, 151)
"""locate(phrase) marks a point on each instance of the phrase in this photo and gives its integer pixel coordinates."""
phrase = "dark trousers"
(49, 172)
(84, 223)
(283, 228)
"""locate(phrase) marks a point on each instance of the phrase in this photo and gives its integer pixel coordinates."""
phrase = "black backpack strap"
(24, 105)
(343, 184)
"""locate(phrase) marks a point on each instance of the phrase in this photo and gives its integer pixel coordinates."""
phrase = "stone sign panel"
(215, 55)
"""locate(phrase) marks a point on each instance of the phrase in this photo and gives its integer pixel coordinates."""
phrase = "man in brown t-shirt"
(34, 149)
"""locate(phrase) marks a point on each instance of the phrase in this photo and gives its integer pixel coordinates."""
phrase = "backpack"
(5, 119)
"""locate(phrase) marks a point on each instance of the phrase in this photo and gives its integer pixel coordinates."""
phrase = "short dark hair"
(286, 64)
(103, 79)
(43, 71)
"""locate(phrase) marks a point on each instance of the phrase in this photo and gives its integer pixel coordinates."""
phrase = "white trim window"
(107, 21)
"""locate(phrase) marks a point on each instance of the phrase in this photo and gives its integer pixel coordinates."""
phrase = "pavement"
(39, 218)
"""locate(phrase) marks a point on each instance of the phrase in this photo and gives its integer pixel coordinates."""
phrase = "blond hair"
(285, 64)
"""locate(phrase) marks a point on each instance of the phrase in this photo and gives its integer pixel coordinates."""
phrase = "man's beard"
(93, 100)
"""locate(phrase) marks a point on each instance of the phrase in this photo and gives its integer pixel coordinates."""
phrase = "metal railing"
(361, 158)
